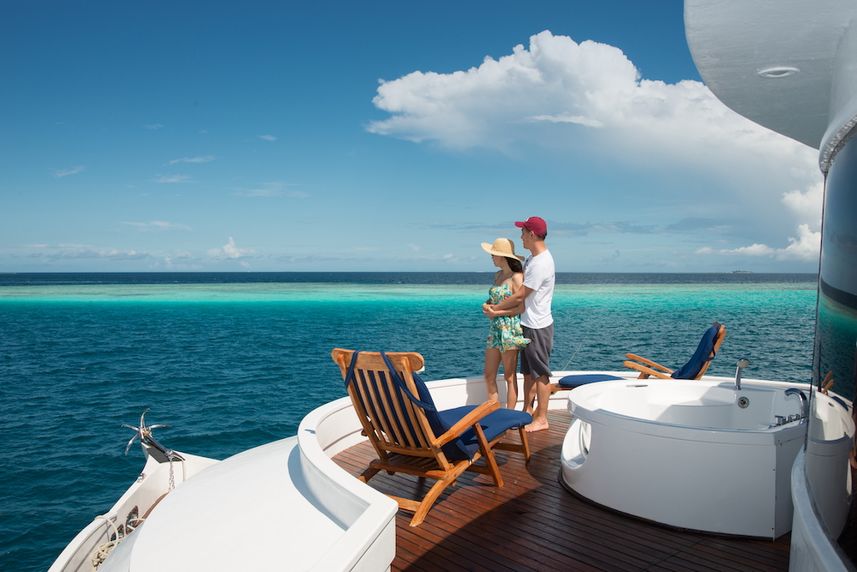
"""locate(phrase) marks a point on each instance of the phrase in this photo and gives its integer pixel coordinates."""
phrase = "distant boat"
(742, 272)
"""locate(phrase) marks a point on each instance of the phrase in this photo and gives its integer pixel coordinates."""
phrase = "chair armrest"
(646, 370)
(467, 422)
(827, 383)
(648, 362)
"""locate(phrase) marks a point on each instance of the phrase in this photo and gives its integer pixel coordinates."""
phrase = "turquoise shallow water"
(234, 365)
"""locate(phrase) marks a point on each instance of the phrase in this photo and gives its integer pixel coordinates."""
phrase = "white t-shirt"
(539, 276)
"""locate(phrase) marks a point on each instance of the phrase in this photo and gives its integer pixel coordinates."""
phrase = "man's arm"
(519, 309)
(514, 300)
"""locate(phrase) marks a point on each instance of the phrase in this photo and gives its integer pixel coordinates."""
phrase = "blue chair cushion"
(703, 351)
(493, 425)
(572, 381)
(431, 412)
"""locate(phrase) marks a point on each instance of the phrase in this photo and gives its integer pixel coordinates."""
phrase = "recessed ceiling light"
(776, 72)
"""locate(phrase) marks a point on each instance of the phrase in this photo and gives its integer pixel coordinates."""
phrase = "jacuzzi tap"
(742, 363)
(804, 402)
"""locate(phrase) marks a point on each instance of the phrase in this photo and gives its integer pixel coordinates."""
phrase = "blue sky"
(206, 136)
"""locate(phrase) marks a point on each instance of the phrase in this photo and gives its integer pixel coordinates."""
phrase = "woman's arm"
(511, 312)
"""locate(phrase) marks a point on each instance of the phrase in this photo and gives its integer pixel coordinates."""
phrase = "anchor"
(150, 445)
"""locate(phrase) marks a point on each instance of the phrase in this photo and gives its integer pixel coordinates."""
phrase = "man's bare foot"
(536, 426)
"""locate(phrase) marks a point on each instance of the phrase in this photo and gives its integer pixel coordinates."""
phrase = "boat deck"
(533, 523)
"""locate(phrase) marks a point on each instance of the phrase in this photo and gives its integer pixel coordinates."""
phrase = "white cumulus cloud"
(806, 205)
(229, 251)
(754, 249)
(594, 92)
(558, 81)
(554, 80)
(804, 247)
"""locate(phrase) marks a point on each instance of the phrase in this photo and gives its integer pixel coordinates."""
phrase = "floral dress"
(504, 332)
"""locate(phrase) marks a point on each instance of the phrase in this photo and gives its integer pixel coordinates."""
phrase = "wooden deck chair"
(411, 436)
(695, 368)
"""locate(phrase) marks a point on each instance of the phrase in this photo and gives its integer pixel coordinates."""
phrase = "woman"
(505, 337)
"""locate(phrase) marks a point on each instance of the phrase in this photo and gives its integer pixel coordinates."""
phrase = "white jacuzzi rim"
(680, 431)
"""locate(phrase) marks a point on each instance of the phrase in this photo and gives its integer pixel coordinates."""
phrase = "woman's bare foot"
(536, 426)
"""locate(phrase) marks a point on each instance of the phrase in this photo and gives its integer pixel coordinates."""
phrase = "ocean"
(234, 360)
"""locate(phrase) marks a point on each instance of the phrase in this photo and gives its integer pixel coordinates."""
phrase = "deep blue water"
(232, 361)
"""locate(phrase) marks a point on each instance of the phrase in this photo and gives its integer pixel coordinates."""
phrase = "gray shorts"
(535, 357)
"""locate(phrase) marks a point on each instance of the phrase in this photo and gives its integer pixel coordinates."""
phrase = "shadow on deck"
(533, 523)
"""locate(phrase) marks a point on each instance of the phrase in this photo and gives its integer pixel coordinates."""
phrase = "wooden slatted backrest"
(718, 341)
(391, 421)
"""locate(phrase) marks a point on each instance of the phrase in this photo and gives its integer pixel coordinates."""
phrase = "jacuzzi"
(698, 455)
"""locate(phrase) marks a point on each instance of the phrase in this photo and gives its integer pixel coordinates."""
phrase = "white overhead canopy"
(772, 61)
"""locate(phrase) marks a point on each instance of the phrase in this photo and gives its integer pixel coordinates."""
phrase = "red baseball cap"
(534, 224)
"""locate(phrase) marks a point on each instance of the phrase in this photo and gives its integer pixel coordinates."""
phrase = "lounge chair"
(411, 436)
(695, 368)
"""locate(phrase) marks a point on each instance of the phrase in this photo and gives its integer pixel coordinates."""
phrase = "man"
(536, 320)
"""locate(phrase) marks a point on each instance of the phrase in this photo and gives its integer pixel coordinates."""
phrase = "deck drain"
(743, 402)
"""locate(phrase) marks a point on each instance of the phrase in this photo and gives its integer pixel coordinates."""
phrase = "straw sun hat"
(502, 247)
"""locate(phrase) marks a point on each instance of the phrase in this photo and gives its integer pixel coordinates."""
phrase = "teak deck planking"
(533, 523)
